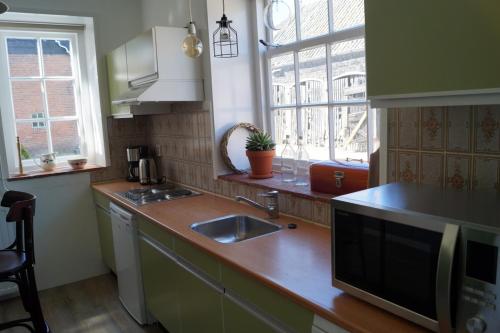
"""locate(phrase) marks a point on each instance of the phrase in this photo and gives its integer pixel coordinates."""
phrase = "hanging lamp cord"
(190, 13)
(223, 8)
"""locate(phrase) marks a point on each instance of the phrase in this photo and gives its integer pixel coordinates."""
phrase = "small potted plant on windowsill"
(260, 153)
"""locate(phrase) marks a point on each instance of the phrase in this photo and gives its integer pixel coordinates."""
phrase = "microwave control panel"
(478, 304)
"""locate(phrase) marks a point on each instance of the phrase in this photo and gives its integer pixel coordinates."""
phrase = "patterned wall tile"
(392, 170)
(392, 128)
(432, 169)
(432, 128)
(408, 129)
(458, 172)
(486, 173)
(487, 123)
(459, 129)
(321, 212)
(408, 167)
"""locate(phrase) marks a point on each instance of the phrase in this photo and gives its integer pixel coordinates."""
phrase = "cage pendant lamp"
(225, 38)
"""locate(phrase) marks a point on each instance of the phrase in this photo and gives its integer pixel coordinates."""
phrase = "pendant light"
(192, 45)
(3, 7)
(225, 38)
(277, 15)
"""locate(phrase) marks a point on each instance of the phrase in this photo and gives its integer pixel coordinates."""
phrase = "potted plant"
(260, 153)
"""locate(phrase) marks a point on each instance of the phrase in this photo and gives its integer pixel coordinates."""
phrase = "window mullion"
(44, 95)
(330, 16)
(298, 97)
(298, 33)
(331, 116)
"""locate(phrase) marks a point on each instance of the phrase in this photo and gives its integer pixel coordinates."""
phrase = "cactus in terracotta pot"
(260, 153)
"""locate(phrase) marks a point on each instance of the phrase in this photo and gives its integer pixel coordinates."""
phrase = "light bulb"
(277, 15)
(224, 35)
(192, 45)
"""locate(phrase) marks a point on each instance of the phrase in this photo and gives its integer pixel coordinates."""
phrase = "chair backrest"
(21, 211)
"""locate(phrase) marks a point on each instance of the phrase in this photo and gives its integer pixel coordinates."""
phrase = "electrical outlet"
(158, 150)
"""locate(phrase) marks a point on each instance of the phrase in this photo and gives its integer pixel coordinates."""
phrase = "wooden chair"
(17, 261)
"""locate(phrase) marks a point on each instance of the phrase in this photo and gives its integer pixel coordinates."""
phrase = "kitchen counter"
(294, 262)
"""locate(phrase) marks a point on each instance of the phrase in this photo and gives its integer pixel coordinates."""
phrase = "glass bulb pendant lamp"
(277, 15)
(225, 38)
(192, 45)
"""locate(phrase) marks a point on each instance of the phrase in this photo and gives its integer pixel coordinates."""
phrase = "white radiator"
(7, 236)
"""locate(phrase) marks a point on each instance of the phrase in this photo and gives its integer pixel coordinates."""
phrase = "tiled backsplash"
(185, 137)
(457, 147)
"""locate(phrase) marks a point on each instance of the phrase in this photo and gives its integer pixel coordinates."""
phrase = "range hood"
(162, 91)
(152, 68)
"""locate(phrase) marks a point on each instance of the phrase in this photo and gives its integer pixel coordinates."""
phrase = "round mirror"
(233, 149)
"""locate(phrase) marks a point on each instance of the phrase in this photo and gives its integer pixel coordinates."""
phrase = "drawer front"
(277, 306)
(203, 261)
(156, 232)
(101, 200)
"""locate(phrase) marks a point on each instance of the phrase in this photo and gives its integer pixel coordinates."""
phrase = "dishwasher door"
(128, 268)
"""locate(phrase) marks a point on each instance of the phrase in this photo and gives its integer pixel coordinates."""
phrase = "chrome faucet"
(272, 207)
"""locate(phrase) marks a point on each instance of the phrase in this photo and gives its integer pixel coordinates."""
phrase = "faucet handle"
(270, 194)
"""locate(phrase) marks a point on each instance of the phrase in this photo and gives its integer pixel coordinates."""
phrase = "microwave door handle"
(444, 277)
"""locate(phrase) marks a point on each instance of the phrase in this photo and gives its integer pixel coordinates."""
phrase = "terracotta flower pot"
(261, 163)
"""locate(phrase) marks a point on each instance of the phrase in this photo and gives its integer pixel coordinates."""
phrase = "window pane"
(65, 138)
(27, 99)
(285, 123)
(33, 139)
(313, 18)
(347, 14)
(56, 57)
(313, 78)
(60, 98)
(23, 57)
(316, 132)
(351, 132)
(349, 70)
(283, 80)
(287, 34)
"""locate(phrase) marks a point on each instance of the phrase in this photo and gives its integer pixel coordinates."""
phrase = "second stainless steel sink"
(235, 228)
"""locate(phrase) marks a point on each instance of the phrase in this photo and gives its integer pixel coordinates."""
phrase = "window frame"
(42, 78)
(95, 140)
(294, 48)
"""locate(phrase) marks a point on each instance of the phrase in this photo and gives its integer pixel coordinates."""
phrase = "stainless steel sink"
(235, 228)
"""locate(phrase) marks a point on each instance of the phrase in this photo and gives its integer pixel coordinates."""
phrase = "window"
(49, 98)
(318, 79)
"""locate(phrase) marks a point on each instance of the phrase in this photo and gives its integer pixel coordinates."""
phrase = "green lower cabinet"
(161, 276)
(106, 237)
(239, 320)
(268, 301)
(200, 306)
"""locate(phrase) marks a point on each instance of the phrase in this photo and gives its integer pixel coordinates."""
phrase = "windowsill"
(61, 170)
(275, 183)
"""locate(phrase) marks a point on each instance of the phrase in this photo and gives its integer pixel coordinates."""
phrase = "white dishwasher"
(128, 263)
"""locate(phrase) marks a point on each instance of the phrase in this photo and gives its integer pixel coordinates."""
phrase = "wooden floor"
(88, 306)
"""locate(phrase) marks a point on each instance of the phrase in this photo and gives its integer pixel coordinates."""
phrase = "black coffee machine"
(134, 155)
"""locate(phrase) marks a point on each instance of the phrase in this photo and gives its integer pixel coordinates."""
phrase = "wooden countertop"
(295, 263)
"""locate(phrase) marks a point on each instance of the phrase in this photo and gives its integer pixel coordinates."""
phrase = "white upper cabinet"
(141, 57)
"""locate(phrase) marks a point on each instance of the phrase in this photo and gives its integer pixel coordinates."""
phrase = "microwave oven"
(424, 253)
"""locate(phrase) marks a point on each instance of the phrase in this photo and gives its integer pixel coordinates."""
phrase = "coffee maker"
(134, 155)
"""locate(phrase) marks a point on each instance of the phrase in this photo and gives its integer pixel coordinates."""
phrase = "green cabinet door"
(117, 78)
(106, 237)
(161, 276)
(200, 305)
(239, 320)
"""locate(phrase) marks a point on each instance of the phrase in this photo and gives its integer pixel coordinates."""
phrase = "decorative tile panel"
(432, 169)
(408, 167)
(487, 122)
(432, 128)
(458, 172)
(408, 128)
(459, 129)
(486, 173)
